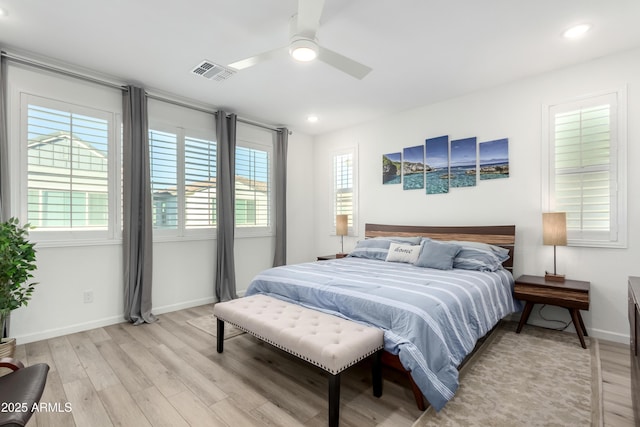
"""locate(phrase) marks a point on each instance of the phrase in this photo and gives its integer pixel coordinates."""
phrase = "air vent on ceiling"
(212, 71)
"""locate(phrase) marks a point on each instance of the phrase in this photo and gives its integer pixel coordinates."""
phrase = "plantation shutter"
(200, 183)
(163, 157)
(343, 186)
(584, 162)
(253, 187)
(67, 169)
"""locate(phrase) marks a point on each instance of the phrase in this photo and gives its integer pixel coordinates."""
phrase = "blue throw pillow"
(438, 255)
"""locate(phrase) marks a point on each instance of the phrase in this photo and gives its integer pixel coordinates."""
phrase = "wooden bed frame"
(499, 235)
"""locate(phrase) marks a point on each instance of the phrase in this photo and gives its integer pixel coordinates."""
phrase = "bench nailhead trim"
(313, 362)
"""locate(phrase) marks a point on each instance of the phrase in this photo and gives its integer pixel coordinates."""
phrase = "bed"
(432, 316)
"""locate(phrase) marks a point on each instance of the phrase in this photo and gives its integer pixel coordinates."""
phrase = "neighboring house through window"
(253, 201)
(73, 180)
(69, 172)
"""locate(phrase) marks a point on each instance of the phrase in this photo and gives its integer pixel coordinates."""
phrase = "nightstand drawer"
(569, 298)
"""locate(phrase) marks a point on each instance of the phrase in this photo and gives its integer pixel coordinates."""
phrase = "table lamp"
(554, 232)
(342, 229)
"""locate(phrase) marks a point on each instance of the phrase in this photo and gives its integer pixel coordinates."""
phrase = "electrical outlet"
(88, 297)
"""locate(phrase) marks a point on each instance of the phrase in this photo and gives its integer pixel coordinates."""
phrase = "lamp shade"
(554, 228)
(342, 225)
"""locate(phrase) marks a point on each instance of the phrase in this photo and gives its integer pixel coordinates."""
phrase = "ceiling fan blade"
(344, 64)
(280, 52)
(309, 13)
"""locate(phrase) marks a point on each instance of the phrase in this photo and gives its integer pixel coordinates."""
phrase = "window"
(344, 187)
(253, 188)
(183, 181)
(587, 174)
(69, 171)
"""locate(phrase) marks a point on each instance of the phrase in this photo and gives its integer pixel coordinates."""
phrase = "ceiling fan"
(303, 44)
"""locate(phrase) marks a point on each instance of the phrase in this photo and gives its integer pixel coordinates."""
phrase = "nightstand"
(570, 294)
(332, 256)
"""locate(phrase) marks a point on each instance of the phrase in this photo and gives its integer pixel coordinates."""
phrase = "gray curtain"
(137, 220)
(5, 211)
(225, 285)
(280, 184)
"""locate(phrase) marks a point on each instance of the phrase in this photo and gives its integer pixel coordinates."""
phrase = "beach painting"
(437, 165)
(462, 169)
(413, 167)
(494, 159)
(392, 168)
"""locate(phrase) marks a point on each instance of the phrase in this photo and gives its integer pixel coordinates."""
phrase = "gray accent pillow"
(470, 258)
(438, 255)
(500, 252)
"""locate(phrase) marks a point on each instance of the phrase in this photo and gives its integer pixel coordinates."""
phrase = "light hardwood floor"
(169, 374)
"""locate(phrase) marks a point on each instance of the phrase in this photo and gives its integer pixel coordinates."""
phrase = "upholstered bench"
(327, 341)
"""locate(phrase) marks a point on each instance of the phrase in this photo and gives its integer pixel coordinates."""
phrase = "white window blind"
(585, 174)
(67, 166)
(344, 201)
(253, 187)
(163, 158)
(200, 183)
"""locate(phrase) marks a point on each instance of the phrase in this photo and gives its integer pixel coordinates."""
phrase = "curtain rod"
(58, 70)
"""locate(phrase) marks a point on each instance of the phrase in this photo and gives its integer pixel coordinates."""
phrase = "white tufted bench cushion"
(327, 341)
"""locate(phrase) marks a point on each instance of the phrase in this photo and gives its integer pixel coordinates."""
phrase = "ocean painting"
(413, 167)
(494, 159)
(462, 169)
(392, 168)
(437, 165)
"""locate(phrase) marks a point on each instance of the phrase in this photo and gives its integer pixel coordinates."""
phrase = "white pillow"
(403, 253)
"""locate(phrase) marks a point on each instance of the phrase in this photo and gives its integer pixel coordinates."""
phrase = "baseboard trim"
(107, 321)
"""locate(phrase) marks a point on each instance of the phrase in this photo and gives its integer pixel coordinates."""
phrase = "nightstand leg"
(525, 316)
(577, 322)
(584, 330)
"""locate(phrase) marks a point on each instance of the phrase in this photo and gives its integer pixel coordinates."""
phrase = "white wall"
(512, 111)
(183, 270)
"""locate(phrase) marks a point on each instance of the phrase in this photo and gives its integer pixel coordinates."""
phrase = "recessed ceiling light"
(312, 118)
(576, 31)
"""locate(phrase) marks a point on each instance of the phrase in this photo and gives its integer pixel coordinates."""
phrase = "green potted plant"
(17, 262)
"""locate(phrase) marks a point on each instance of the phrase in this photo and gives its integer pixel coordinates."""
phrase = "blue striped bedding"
(431, 318)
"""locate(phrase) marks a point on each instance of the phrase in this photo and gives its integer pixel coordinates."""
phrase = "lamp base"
(341, 255)
(554, 277)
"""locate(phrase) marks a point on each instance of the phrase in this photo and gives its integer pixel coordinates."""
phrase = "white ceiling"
(421, 51)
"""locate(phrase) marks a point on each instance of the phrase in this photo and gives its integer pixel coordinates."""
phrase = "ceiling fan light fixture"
(303, 50)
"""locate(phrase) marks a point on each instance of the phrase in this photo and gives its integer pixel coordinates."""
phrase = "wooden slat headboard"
(499, 235)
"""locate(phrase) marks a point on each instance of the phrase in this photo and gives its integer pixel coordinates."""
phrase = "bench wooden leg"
(220, 336)
(376, 373)
(334, 400)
